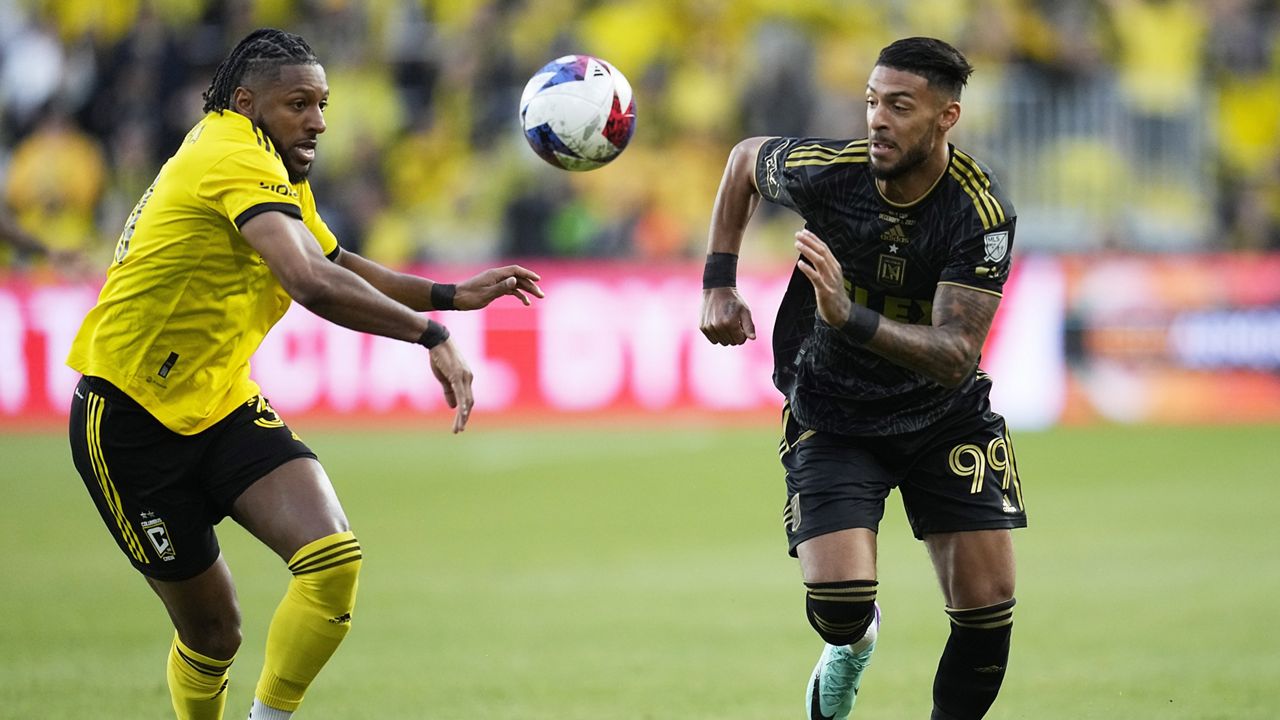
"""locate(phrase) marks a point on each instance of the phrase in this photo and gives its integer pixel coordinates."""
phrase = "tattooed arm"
(946, 352)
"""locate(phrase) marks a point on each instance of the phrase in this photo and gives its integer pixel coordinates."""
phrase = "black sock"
(973, 662)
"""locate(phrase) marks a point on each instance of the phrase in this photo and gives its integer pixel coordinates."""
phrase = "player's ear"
(242, 100)
(950, 115)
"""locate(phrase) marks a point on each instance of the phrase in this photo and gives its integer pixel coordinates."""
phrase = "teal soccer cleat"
(833, 688)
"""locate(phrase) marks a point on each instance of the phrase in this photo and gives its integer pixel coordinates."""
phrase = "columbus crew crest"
(158, 534)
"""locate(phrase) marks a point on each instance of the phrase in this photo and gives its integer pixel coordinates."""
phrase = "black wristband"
(721, 270)
(433, 335)
(442, 296)
(862, 323)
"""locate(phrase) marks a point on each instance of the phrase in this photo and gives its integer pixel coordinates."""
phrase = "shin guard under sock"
(311, 620)
(197, 683)
(973, 662)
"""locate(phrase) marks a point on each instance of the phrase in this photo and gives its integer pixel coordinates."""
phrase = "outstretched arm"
(946, 351)
(341, 296)
(726, 319)
(472, 294)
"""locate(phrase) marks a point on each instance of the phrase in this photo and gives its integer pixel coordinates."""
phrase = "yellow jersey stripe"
(93, 430)
(981, 184)
(820, 151)
(802, 155)
(816, 147)
(980, 187)
(984, 212)
(829, 161)
(984, 187)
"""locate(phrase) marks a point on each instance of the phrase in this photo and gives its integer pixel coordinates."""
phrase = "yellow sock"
(197, 683)
(312, 619)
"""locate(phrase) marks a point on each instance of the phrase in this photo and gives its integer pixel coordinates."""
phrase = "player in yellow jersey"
(167, 429)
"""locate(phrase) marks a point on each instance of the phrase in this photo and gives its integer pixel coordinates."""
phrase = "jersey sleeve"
(248, 183)
(790, 171)
(311, 218)
(984, 251)
(981, 260)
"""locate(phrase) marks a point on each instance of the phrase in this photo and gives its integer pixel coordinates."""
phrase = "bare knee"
(204, 610)
(975, 569)
(216, 635)
(838, 556)
(979, 592)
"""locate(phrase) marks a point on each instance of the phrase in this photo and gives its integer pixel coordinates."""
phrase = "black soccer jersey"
(893, 257)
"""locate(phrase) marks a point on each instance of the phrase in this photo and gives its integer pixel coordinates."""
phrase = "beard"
(911, 159)
(296, 174)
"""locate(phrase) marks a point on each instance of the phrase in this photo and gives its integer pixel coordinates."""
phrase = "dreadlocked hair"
(264, 48)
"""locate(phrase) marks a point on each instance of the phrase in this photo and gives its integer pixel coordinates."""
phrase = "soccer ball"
(577, 112)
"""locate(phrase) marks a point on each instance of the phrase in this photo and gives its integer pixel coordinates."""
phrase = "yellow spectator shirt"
(187, 300)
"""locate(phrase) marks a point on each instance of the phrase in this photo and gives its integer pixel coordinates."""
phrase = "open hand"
(484, 288)
(455, 377)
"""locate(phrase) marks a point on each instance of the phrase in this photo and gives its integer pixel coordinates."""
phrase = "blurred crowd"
(1149, 124)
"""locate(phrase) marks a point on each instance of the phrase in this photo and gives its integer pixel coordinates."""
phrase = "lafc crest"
(891, 270)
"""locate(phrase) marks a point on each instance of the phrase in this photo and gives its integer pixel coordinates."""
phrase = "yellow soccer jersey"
(187, 300)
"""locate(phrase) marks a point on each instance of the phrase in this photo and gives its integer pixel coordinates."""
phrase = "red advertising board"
(1131, 339)
(608, 339)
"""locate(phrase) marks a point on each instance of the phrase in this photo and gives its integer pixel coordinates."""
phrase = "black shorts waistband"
(106, 389)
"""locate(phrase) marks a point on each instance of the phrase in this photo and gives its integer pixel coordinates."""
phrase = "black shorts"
(159, 492)
(959, 474)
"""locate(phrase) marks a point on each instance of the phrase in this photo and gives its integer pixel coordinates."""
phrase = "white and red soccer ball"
(578, 112)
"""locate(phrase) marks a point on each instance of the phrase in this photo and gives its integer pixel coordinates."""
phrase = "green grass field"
(556, 574)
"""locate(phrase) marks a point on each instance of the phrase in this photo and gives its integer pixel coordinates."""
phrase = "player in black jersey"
(902, 259)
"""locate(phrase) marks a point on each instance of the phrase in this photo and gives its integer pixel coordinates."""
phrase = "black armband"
(720, 271)
(442, 296)
(862, 323)
(433, 335)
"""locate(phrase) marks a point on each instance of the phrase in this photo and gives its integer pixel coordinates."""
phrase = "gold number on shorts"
(969, 461)
(998, 457)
